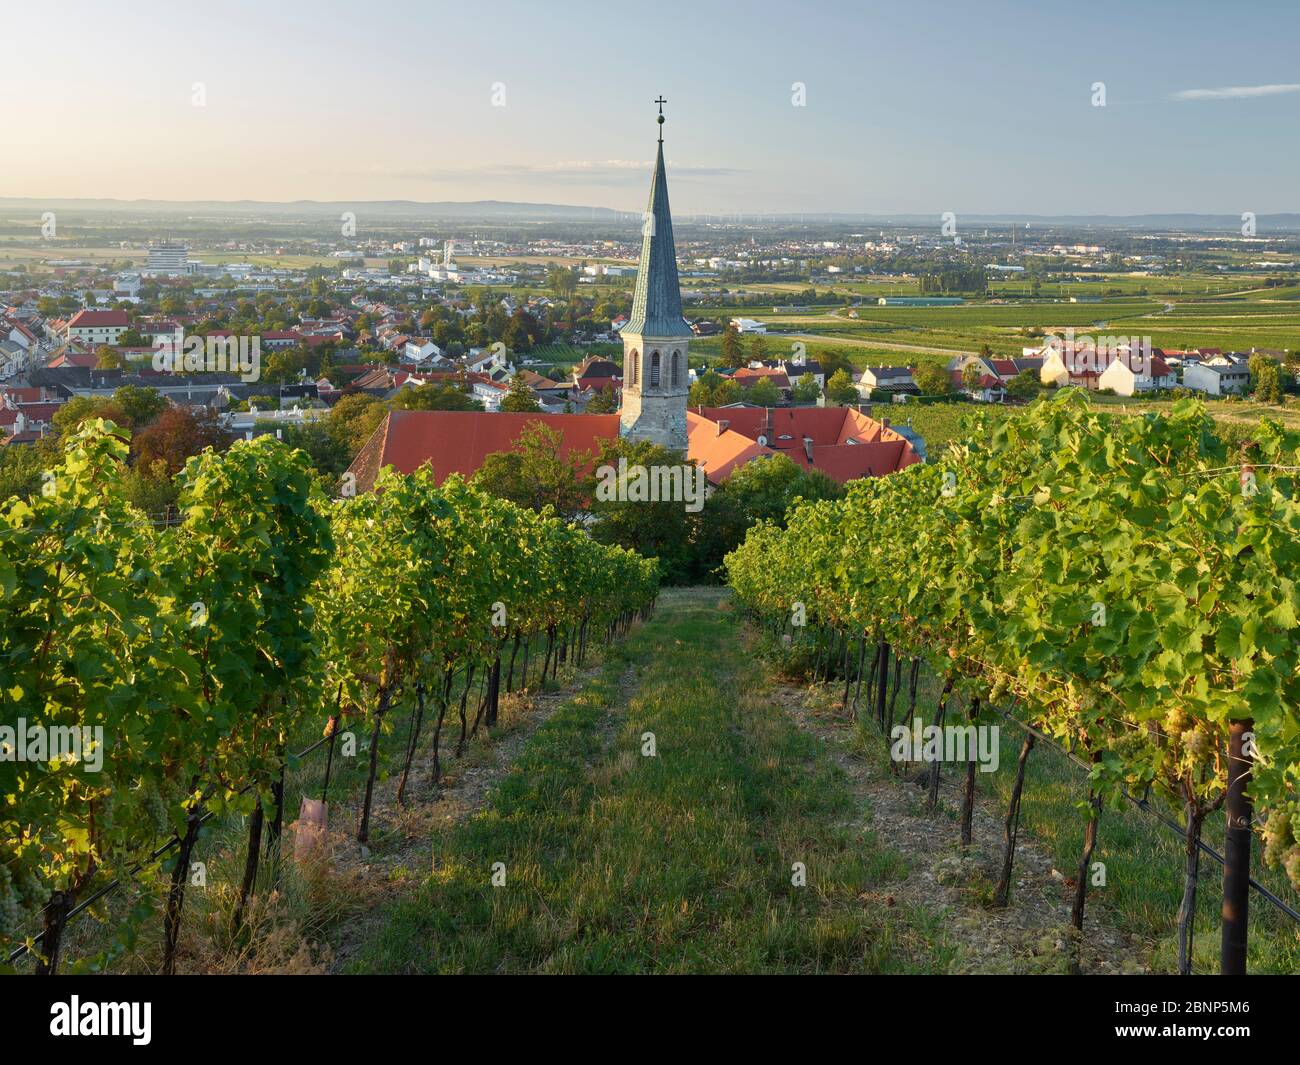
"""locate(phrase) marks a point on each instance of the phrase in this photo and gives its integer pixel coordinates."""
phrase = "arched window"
(654, 370)
(676, 374)
(632, 360)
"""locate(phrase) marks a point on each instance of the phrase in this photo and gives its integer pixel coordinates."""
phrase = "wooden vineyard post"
(1191, 873)
(1236, 853)
(510, 673)
(848, 674)
(1081, 881)
(493, 692)
(862, 661)
(277, 822)
(56, 917)
(938, 722)
(1081, 885)
(250, 863)
(363, 829)
(411, 741)
(882, 683)
(1012, 826)
(968, 796)
(176, 894)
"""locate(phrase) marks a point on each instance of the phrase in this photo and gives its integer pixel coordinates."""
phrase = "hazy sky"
(912, 106)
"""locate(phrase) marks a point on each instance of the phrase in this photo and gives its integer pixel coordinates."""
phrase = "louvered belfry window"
(654, 370)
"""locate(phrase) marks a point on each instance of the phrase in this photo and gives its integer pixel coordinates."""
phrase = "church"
(840, 441)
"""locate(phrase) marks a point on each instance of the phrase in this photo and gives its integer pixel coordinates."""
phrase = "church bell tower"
(656, 381)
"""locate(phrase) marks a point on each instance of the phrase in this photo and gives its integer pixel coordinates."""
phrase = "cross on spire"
(661, 101)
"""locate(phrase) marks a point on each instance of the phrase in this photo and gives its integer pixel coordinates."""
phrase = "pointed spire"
(657, 304)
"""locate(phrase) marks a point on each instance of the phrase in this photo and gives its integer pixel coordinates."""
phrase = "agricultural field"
(1234, 314)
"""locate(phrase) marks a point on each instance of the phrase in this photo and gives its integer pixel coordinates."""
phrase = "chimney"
(722, 425)
(807, 448)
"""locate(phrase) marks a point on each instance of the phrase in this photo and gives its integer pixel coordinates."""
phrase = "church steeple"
(655, 375)
(657, 303)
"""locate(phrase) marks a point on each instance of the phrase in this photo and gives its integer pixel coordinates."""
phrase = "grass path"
(684, 861)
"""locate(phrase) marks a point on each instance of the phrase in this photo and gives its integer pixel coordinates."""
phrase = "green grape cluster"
(153, 807)
(10, 908)
(20, 897)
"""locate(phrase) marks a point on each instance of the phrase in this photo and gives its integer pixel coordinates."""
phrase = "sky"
(867, 107)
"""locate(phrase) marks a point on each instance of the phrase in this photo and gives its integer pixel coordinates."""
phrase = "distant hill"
(502, 211)
(1195, 222)
(477, 209)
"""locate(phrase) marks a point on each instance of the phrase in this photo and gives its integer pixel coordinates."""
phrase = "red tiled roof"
(876, 449)
(598, 383)
(34, 394)
(746, 377)
(34, 413)
(99, 319)
(458, 441)
(74, 358)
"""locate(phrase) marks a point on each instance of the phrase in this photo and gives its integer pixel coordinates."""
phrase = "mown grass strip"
(614, 861)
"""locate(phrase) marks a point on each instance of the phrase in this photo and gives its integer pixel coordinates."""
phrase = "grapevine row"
(1130, 581)
(200, 647)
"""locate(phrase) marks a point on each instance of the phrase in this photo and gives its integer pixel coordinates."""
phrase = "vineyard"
(1119, 587)
(155, 673)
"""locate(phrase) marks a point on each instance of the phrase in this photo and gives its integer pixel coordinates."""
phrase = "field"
(1178, 312)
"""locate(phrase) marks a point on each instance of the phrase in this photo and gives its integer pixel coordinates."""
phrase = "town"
(534, 325)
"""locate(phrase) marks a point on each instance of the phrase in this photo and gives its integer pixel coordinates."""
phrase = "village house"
(1217, 378)
(97, 327)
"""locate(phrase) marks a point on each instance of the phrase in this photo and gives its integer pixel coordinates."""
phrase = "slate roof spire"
(657, 303)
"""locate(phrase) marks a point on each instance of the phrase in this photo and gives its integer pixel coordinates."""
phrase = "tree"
(662, 529)
(764, 393)
(604, 402)
(535, 473)
(704, 389)
(757, 348)
(562, 281)
(832, 360)
(970, 376)
(765, 491)
(1265, 380)
(108, 358)
(733, 354)
(177, 434)
(353, 419)
(68, 418)
(520, 399)
(806, 390)
(284, 365)
(21, 467)
(435, 397)
(139, 406)
(328, 451)
(728, 391)
(932, 379)
(1025, 385)
(840, 389)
